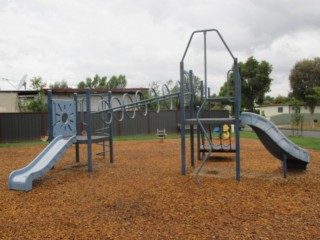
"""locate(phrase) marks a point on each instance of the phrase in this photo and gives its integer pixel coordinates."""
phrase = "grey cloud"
(145, 39)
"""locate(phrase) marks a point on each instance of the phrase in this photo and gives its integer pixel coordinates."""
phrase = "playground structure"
(70, 122)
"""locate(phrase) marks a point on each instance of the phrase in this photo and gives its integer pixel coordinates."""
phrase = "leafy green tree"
(255, 82)
(37, 83)
(61, 84)
(196, 82)
(281, 99)
(37, 104)
(304, 80)
(117, 82)
(268, 100)
(95, 82)
(102, 82)
(296, 115)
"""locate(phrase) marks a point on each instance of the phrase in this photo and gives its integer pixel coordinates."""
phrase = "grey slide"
(276, 142)
(22, 179)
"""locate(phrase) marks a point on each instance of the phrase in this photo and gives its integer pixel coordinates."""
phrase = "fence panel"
(17, 127)
(164, 119)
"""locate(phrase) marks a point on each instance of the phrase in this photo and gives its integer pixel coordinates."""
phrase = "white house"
(269, 111)
(100, 94)
(15, 101)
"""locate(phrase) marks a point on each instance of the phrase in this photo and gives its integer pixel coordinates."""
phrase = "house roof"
(77, 90)
(21, 92)
(96, 90)
(282, 105)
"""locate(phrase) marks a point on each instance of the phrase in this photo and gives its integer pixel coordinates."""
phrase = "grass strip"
(304, 142)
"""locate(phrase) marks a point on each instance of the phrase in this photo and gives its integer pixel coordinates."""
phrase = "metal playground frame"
(109, 107)
(71, 122)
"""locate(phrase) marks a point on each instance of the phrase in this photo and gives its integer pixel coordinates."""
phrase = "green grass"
(307, 142)
(304, 142)
(21, 144)
(246, 134)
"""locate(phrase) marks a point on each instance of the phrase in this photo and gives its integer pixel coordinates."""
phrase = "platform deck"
(94, 139)
(218, 148)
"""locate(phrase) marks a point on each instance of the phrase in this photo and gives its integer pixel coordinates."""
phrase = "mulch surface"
(144, 196)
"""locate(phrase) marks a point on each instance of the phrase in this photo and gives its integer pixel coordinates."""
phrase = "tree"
(37, 104)
(281, 99)
(37, 83)
(117, 82)
(255, 82)
(102, 82)
(196, 82)
(61, 84)
(304, 80)
(268, 100)
(296, 116)
(95, 82)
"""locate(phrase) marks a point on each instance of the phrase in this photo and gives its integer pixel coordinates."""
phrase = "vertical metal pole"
(198, 139)
(209, 113)
(205, 64)
(237, 116)
(284, 166)
(75, 97)
(199, 134)
(50, 116)
(191, 116)
(203, 92)
(88, 117)
(110, 129)
(182, 121)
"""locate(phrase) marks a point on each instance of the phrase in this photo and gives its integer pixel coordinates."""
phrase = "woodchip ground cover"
(144, 196)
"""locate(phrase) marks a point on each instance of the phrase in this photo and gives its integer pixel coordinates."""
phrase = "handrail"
(207, 137)
(205, 31)
(133, 104)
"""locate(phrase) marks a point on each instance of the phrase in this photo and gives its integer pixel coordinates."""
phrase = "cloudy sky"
(145, 39)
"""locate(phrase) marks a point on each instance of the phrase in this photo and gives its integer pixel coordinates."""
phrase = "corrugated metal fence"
(18, 127)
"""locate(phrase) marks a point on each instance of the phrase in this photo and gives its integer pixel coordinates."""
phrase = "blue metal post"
(182, 121)
(284, 166)
(75, 97)
(50, 116)
(191, 116)
(205, 64)
(110, 130)
(89, 122)
(199, 133)
(237, 115)
(209, 113)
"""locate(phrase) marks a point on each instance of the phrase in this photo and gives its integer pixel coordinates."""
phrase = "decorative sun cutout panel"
(64, 118)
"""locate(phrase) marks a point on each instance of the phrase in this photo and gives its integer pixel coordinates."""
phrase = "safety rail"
(133, 106)
(127, 105)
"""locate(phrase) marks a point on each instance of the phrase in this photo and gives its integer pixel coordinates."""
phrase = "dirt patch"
(144, 196)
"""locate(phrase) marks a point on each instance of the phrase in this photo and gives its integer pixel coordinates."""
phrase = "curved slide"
(276, 142)
(22, 179)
